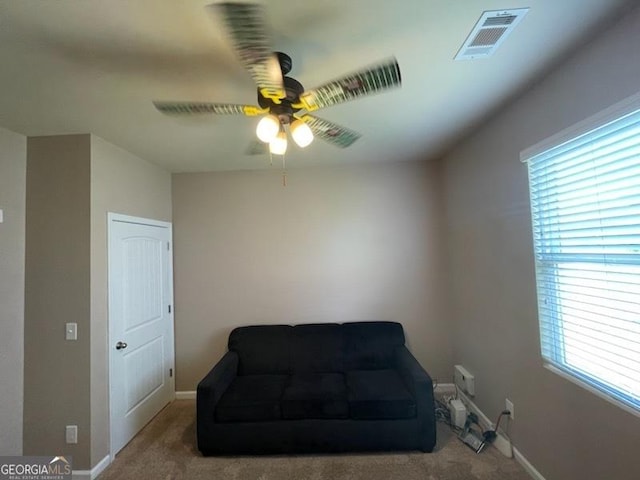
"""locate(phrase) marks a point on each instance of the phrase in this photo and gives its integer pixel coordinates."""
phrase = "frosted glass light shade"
(301, 133)
(278, 145)
(268, 127)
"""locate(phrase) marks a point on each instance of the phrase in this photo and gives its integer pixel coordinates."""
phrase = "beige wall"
(120, 183)
(72, 182)
(56, 373)
(13, 158)
(336, 245)
(565, 431)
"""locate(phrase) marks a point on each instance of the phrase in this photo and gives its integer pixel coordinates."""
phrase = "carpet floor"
(166, 450)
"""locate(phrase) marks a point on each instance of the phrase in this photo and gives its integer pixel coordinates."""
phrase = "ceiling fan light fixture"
(301, 133)
(278, 146)
(268, 128)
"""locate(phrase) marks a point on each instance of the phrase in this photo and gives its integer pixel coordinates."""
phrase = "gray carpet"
(165, 450)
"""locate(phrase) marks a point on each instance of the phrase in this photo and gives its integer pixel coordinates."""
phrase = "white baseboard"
(530, 469)
(502, 442)
(94, 472)
(188, 395)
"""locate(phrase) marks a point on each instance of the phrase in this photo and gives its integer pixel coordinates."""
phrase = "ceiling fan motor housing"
(293, 89)
(285, 62)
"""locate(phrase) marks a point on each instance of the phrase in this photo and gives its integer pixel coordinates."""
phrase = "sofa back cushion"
(317, 348)
(262, 349)
(371, 345)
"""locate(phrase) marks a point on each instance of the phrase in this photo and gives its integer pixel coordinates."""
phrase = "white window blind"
(585, 205)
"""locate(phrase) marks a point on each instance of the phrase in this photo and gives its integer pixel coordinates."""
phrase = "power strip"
(476, 444)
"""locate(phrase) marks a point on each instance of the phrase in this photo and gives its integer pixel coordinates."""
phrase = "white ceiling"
(78, 66)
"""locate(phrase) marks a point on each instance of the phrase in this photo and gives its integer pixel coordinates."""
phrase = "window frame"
(610, 114)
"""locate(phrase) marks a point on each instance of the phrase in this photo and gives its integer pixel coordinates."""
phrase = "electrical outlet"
(509, 406)
(71, 434)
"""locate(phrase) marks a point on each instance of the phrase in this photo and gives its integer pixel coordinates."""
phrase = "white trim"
(502, 442)
(605, 117)
(187, 395)
(119, 217)
(530, 469)
(113, 217)
(596, 391)
(624, 107)
(94, 472)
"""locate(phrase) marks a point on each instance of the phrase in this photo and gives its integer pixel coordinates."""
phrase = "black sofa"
(316, 388)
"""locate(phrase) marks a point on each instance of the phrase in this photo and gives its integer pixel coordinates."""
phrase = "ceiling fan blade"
(364, 82)
(201, 108)
(330, 132)
(246, 25)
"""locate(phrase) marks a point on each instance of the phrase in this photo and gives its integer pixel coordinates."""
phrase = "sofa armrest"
(420, 385)
(410, 370)
(215, 383)
(210, 389)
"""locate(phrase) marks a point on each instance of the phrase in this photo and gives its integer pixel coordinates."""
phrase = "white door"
(140, 324)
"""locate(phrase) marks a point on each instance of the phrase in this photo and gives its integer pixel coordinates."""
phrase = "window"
(585, 207)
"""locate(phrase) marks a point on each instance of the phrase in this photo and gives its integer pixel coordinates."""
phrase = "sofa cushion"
(317, 348)
(262, 349)
(252, 398)
(371, 345)
(315, 395)
(378, 394)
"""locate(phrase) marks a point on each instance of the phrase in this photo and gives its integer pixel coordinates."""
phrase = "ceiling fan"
(282, 100)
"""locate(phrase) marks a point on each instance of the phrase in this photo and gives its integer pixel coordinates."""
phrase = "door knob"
(121, 346)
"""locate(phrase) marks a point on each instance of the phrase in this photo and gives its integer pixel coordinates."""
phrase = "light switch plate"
(71, 331)
(71, 434)
(1, 215)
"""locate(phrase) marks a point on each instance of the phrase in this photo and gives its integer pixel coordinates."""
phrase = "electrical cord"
(502, 413)
(443, 415)
(472, 433)
(490, 435)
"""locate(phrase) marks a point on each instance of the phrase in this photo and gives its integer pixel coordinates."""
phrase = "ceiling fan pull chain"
(284, 172)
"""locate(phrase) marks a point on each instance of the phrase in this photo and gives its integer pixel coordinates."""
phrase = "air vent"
(500, 20)
(491, 30)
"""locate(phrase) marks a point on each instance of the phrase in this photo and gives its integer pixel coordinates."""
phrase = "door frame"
(113, 217)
